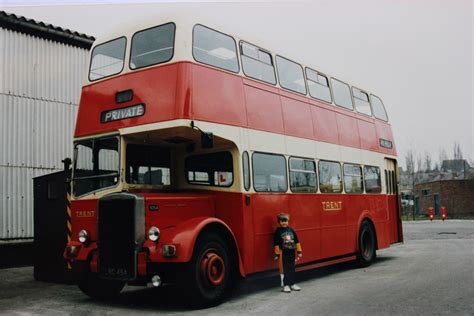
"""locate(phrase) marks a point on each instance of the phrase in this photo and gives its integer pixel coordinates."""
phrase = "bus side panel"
(217, 96)
(265, 207)
(175, 209)
(230, 208)
(357, 204)
(306, 220)
(381, 217)
(334, 238)
(384, 131)
(296, 116)
(375, 206)
(394, 218)
(348, 131)
(368, 135)
(263, 107)
(324, 125)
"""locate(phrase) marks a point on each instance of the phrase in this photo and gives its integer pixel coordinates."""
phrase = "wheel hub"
(212, 268)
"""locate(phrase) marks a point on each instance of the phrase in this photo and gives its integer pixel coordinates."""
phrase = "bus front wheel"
(366, 253)
(208, 275)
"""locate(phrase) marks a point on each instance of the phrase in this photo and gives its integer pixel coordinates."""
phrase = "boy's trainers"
(286, 289)
(295, 287)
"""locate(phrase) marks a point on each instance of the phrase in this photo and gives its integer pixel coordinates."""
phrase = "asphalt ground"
(432, 273)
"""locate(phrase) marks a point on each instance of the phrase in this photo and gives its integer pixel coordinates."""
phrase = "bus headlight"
(154, 233)
(84, 236)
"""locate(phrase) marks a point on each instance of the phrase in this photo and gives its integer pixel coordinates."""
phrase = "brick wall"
(456, 195)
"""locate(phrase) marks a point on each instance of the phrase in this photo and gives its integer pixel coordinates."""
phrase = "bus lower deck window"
(302, 175)
(215, 169)
(330, 177)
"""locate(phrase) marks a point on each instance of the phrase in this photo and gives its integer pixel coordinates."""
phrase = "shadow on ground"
(168, 298)
(16, 254)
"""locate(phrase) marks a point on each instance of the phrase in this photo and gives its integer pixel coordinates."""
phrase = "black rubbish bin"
(50, 225)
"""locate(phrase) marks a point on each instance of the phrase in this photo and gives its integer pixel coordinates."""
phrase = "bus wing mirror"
(207, 140)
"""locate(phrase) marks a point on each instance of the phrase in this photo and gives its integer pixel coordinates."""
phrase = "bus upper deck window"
(215, 48)
(361, 101)
(290, 75)
(107, 59)
(378, 108)
(257, 63)
(342, 94)
(318, 85)
(152, 46)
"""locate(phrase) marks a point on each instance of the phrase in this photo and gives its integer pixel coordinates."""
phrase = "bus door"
(393, 201)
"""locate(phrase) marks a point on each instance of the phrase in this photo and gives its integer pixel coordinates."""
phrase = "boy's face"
(283, 222)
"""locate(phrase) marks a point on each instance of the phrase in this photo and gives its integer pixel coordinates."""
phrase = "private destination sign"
(122, 113)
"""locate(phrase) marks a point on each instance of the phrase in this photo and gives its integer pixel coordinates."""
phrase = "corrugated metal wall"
(40, 85)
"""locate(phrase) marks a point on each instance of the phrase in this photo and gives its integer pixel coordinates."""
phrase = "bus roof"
(187, 20)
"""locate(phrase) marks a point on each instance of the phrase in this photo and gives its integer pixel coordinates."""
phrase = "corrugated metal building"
(41, 73)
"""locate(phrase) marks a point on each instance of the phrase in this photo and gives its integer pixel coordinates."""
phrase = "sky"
(416, 55)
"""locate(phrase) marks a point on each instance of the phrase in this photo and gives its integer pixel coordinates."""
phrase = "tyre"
(97, 288)
(206, 279)
(366, 253)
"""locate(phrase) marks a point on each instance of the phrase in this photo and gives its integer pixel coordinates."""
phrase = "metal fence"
(40, 87)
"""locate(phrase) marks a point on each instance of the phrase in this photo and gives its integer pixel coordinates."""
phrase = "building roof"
(455, 165)
(42, 30)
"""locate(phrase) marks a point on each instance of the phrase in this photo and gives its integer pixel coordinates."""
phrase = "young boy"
(286, 246)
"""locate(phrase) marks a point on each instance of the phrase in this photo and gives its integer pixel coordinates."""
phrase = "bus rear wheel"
(97, 288)
(207, 277)
(366, 253)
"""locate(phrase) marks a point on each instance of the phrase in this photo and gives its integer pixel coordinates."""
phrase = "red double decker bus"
(189, 141)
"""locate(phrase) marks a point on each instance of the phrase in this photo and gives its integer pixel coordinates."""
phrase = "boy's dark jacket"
(285, 238)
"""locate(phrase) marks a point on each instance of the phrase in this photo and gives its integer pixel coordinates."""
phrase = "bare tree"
(442, 157)
(427, 162)
(410, 161)
(457, 153)
(419, 164)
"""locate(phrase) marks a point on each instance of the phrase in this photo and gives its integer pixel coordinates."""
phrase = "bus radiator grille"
(116, 239)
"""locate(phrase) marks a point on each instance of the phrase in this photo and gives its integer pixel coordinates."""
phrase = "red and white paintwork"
(253, 116)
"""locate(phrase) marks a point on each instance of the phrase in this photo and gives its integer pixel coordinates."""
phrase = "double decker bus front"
(147, 178)
(136, 213)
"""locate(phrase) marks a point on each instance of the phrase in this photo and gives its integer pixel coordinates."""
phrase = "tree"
(410, 161)
(457, 153)
(419, 164)
(427, 162)
(442, 156)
